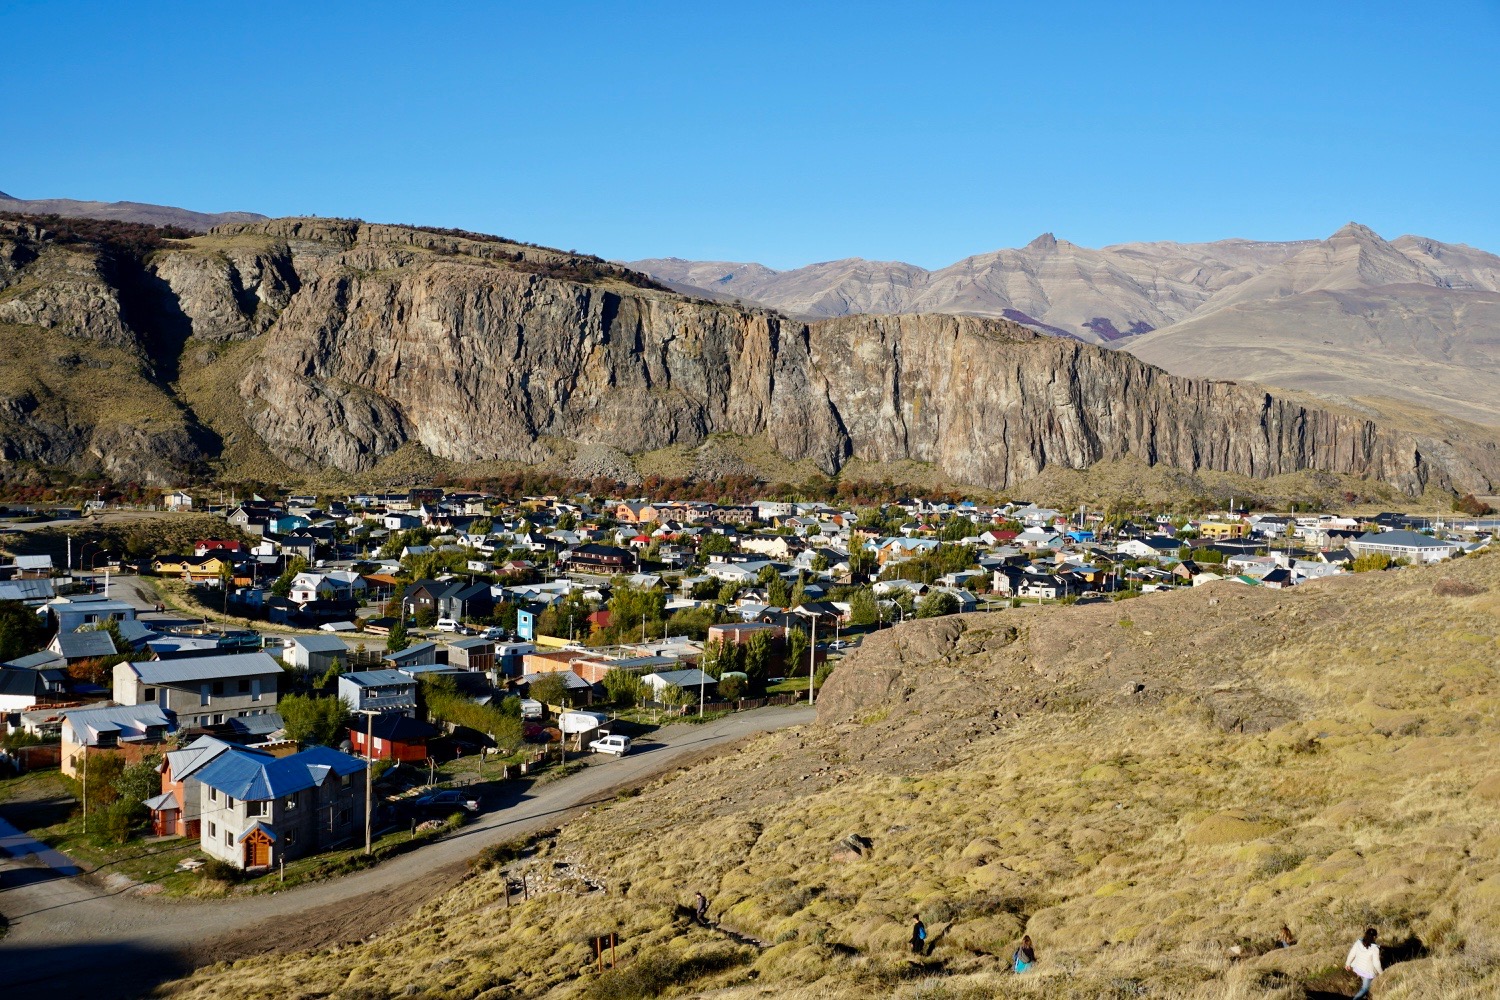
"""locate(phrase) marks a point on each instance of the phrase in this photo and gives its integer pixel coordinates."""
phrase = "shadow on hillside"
(98, 970)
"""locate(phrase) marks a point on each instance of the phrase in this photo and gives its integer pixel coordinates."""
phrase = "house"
(473, 601)
(75, 610)
(1150, 547)
(316, 653)
(335, 585)
(1223, 529)
(177, 500)
(691, 679)
(175, 812)
(257, 810)
(75, 646)
(472, 654)
(1403, 544)
(1042, 586)
(379, 691)
(599, 558)
(415, 655)
(509, 657)
(209, 546)
(130, 729)
(394, 736)
(202, 690)
(22, 689)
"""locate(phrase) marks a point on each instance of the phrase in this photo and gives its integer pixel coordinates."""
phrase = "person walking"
(918, 934)
(1025, 956)
(1364, 961)
(700, 911)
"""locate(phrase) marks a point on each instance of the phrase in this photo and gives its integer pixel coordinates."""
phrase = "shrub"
(655, 972)
(215, 870)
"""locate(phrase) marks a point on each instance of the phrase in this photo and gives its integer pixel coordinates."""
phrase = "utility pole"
(369, 772)
(812, 660)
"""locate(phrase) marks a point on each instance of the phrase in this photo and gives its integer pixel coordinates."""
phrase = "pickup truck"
(610, 743)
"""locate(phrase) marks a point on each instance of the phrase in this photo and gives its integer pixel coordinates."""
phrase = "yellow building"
(1223, 529)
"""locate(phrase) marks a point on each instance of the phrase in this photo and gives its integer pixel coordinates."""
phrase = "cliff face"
(362, 339)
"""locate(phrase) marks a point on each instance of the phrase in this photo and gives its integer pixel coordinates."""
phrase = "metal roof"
(205, 668)
(79, 645)
(88, 723)
(257, 777)
(376, 678)
(320, 643)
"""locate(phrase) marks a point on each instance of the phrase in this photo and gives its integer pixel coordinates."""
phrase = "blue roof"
(375, 678)
(256, 777)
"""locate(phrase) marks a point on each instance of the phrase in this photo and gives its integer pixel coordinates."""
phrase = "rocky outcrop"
(369, 339)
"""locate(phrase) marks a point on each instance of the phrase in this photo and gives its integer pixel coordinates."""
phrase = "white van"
(447, 625)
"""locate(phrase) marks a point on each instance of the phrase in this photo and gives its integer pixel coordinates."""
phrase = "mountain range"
(125, 211)
(296, 347)
(1352, 318)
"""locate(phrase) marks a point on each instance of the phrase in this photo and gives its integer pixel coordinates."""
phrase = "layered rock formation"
(358, 340)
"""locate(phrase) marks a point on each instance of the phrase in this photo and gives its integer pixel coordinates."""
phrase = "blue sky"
(784, 133)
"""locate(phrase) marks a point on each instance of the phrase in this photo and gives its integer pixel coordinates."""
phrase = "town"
(324, 675)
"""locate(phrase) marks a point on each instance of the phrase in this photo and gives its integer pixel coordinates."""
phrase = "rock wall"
(369, 338)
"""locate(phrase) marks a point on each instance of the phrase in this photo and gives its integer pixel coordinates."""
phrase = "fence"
(743, 705)
(41, 755)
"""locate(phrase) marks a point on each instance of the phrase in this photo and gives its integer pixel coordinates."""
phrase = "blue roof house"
(257, 810)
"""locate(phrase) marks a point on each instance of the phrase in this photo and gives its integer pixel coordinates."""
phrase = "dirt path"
(82, 934)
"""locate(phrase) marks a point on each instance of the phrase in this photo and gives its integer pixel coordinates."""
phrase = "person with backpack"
(1364, 961)
(918, 934)
(1025, 956)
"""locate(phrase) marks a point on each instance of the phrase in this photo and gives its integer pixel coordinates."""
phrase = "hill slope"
(296, 346)
(1141, 787)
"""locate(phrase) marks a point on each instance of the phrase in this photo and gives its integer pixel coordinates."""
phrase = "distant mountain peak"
(1046, 241)
(6, 197)
(1353, 230)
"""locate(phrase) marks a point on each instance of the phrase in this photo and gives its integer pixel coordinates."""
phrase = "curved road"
(75, 933)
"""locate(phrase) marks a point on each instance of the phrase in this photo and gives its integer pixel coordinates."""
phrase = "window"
(255, 689)
(291, 801)
(213, 794)
(244, 686)
(148, 694)
(257, 808)
(291, 836)
(218, 719)
(229, 802)
(203, 694)
(228, 838)
(213, 829)
(218, 687)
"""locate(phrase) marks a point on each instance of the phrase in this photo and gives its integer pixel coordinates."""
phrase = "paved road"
(79, 934)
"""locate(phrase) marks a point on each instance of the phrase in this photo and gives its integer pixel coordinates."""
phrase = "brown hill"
(125, 211)
(1149, 789)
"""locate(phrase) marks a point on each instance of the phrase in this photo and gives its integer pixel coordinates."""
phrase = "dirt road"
(80, 934)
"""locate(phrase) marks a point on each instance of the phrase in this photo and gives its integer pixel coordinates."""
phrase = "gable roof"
(22, 683)
(204, 668)
(82, 645)
(128, 720)
(320, 643)
(40, 660)
(254, 776)
(181, 763)
(376, 678)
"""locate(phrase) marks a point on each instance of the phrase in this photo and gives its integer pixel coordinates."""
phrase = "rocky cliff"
(353, 341)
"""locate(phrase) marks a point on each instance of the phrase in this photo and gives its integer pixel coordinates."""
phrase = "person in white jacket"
(1364, 961)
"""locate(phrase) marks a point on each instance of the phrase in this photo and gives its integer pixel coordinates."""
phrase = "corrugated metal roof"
(88, 723)
(320, 643)
(78, 645)
(376, 678)
(205, 668)
(256, 777)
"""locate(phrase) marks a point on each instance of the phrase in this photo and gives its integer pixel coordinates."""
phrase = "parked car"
(611, 743)
(532, 709)
(446, 801)
(494, 634)
(447, 625)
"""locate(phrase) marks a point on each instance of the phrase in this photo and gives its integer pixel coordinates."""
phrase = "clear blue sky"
(780, 133)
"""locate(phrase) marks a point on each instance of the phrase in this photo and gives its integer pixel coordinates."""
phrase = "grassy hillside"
(1150, 789)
